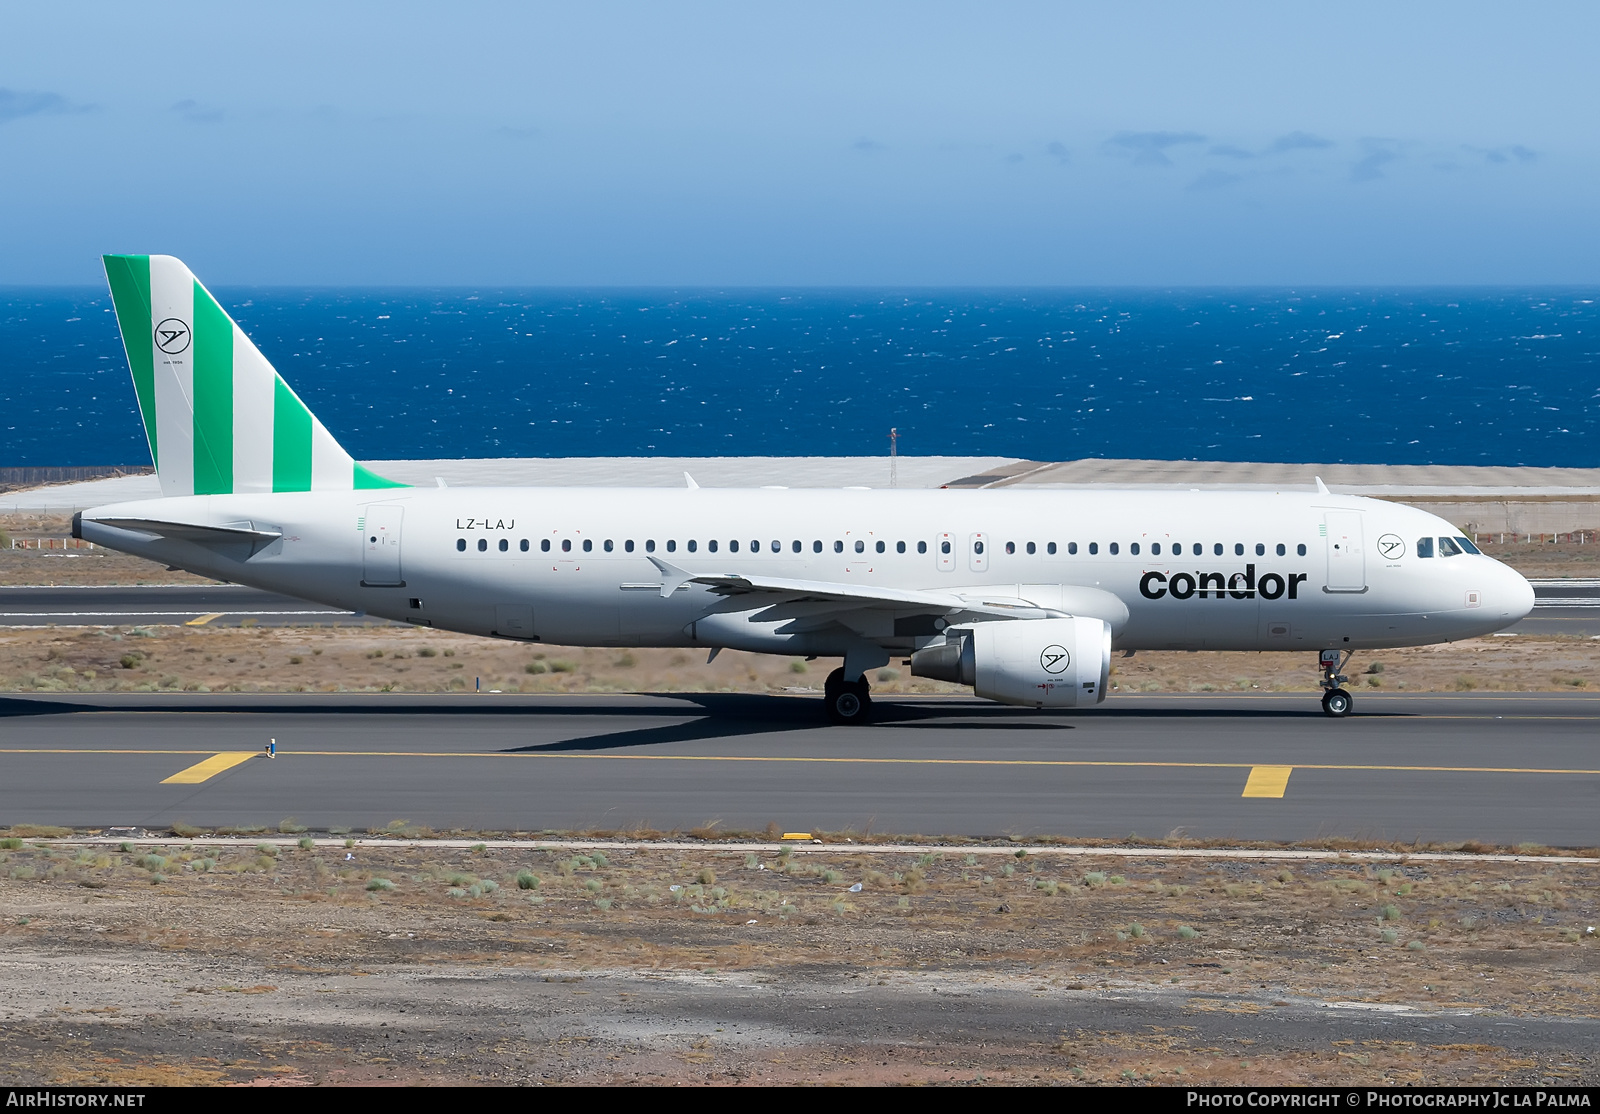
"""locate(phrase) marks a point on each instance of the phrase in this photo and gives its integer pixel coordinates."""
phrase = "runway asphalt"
(1500, 768)
(1577, 614)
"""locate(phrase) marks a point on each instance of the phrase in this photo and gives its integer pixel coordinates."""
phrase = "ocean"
(1479, 376)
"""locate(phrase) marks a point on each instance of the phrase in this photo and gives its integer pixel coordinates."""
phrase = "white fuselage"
(1273, 571)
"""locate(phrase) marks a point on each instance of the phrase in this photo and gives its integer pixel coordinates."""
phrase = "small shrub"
(562, 665)
(131, 661)
(1463, 684)
(751, 862)
(594, 885)
(707, 876)
(449, 653)
(296, 659)
(479, 848)
(887, 675)
(1186, 933)
(527, 880)
(536, 667)
(1415, 946)
(1375, 667)
(380, 885)
(830, 876)
(1389, 936)
(1389, 913)
(625, 661)
(12, 843)
(488, 885)
(1116, 880)
(374, 653)
(307, 843)
(427, 652)
(602, 903)
(1047, 888)
(1285, 876)
(1136, 930)
(268, 849)
(1094, 879)
(970, 860)
(797, 666)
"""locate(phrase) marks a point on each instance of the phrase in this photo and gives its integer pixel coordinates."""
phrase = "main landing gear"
(848, 702)
(1336, 701)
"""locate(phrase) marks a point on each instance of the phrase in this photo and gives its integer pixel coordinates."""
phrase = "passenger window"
(1114, 549)
(1094, 547)
(650, 545)
(899, 547)
(977, 547)
(777, 546)
(483, 545)
(588, 545)
(1466, 544)
(922, 547)
(1030, 549)
(838, 546)
(944, 547)
(1134, 549)
(1011, 547)
(1215, 549)
(1281, 549)
(1155, 549)
(797, 546)
(461, 545)
(755, 547)
(733, 546)
(1050, 549)
(609, 546)
(1261, 550)
(1424, 547)
(523, 545)
(880, 547)
(544, 545)
(1072, 548)
(1448, 548)
(861, 546)
(711, 546)
(816, 547)
(1238, 549)
(628, 545)
(566, 545)
(672, 545)
(1301, 549)
(693, 545)
(505, 544)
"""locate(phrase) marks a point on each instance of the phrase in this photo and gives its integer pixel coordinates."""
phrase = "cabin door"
(380, 541)
(1347, 562)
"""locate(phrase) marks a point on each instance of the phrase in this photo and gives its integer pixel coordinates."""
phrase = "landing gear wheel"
(1337, 703)
(848, 703)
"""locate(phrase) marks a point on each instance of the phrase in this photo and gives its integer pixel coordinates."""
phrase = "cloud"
(1370, 168)
(1150, 148)
(1297, 141)
(196, 113)
(1505, 154)
(1059, 152)
(15, 104)
(1227, 151)
(865, 144)
(1212, 180)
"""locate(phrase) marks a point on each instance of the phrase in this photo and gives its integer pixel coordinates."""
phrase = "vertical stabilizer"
(218, 417)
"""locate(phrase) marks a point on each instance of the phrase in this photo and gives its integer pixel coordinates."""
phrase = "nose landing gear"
(1336, 701)
(849, 703)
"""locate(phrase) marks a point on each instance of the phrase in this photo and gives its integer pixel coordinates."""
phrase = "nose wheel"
(1336, 701)
(848, 703)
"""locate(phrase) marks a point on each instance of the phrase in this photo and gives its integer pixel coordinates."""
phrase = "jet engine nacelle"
(1037, 663)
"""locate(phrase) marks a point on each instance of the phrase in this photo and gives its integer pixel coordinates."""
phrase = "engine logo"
(1054, 659)
(172, 336)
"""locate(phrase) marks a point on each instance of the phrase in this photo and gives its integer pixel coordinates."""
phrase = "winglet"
(1322, 488)
(672, 577)
(689, 482)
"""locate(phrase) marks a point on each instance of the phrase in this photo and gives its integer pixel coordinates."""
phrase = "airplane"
(1023, 595)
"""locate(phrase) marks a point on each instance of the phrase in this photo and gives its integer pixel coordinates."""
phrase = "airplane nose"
(1516, 594)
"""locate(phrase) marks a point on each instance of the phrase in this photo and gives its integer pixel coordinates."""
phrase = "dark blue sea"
(1400, 377)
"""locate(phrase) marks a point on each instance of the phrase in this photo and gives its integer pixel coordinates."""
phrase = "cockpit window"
(1466, 544)
(1448, 548)
(1424, 547)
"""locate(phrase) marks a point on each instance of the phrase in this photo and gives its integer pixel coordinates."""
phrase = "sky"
(799, 144)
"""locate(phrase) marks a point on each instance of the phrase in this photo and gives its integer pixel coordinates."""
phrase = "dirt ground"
(239, 962)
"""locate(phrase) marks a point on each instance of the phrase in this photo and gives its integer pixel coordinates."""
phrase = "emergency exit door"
(380, 539)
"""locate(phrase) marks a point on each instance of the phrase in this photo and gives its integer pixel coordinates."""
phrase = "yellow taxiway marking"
(202, 620)
(1267, 781)
(1031, 762)
(210, 768)
(795, 835)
